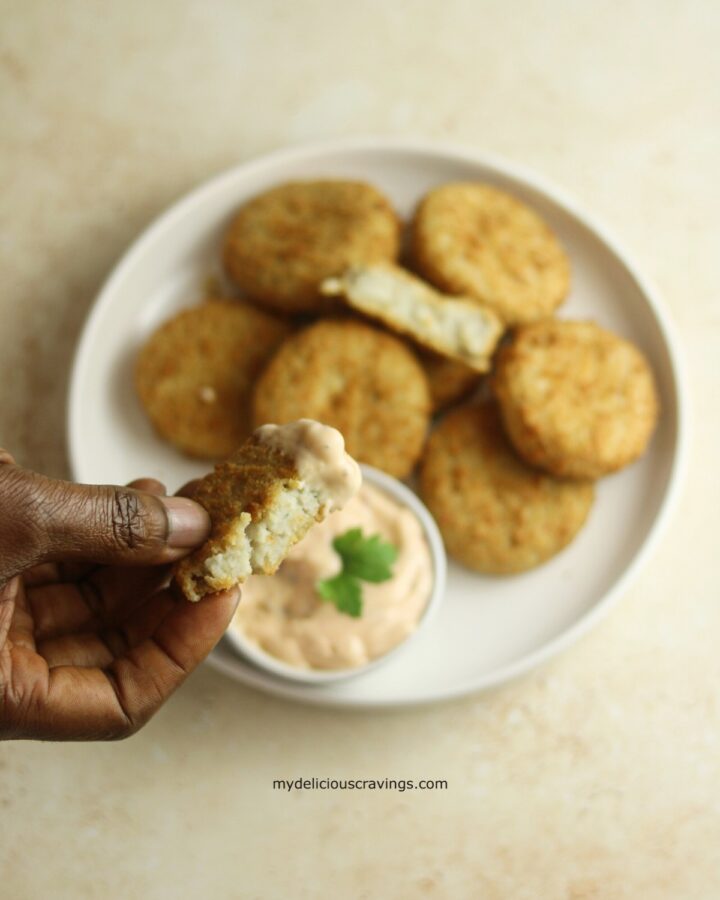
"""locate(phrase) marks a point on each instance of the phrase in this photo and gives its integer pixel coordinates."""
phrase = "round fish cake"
(362, 381)
(496, 514)
(195, 373)
(450, 380)
(576, 400)
(472, 239)
(284, 242)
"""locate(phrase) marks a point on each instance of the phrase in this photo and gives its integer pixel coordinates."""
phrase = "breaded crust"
(455, 327)
(284, 242)
(359, 379)
(449, 380)
(576, 400)
(239, 490)
(194, 374)
(472, 239)
(496, 514)
(264, 499)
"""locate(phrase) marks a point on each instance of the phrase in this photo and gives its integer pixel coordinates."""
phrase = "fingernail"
(189, 523)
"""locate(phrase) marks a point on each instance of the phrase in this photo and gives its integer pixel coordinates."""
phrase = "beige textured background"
(597, 777)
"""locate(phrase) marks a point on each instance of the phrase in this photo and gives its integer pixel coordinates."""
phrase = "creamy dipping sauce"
(286, 618)
(318, 452)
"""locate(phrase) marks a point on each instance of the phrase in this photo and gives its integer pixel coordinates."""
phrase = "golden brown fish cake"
(496, 514)
(284, 242)
(194, 374)
(576, 400)
(366, 383)
(472, 239)
(262, 501)
(449, 380)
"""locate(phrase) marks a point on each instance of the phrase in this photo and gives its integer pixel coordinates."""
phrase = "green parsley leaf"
(344, 591)
(369, 559)
(363, 559)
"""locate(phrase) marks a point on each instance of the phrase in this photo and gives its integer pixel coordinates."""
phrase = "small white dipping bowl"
(406, 497)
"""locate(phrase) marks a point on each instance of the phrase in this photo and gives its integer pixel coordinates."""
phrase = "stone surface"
(598, 776)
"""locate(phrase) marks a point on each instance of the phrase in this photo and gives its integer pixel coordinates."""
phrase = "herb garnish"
(363, 559)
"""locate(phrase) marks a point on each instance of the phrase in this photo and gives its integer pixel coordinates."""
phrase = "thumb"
(44, 519)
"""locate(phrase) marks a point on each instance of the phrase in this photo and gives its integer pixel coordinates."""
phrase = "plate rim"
(541, 185)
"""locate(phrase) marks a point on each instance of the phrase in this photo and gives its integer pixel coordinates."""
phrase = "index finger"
(188, 489)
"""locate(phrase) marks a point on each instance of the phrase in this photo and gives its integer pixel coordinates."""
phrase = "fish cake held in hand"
(576, 400)
(194, 374)
(262, 501)
(366, 383)
(472, 239)
(284, 242)
(496, 514)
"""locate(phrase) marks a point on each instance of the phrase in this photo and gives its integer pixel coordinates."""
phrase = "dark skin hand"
(93, 639)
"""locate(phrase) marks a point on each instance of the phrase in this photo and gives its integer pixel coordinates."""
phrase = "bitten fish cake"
(194, 374)
(576, 400)
(366, 383)
(496, 514)
(262, 501)
(473, 239)
(284, 242)
(455, 327)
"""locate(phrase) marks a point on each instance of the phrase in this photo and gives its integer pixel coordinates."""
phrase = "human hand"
(92, 638)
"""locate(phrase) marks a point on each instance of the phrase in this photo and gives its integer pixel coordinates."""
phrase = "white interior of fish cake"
(259, 546)
(453, 323)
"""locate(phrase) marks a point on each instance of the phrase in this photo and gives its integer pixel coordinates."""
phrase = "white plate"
(488, 630)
